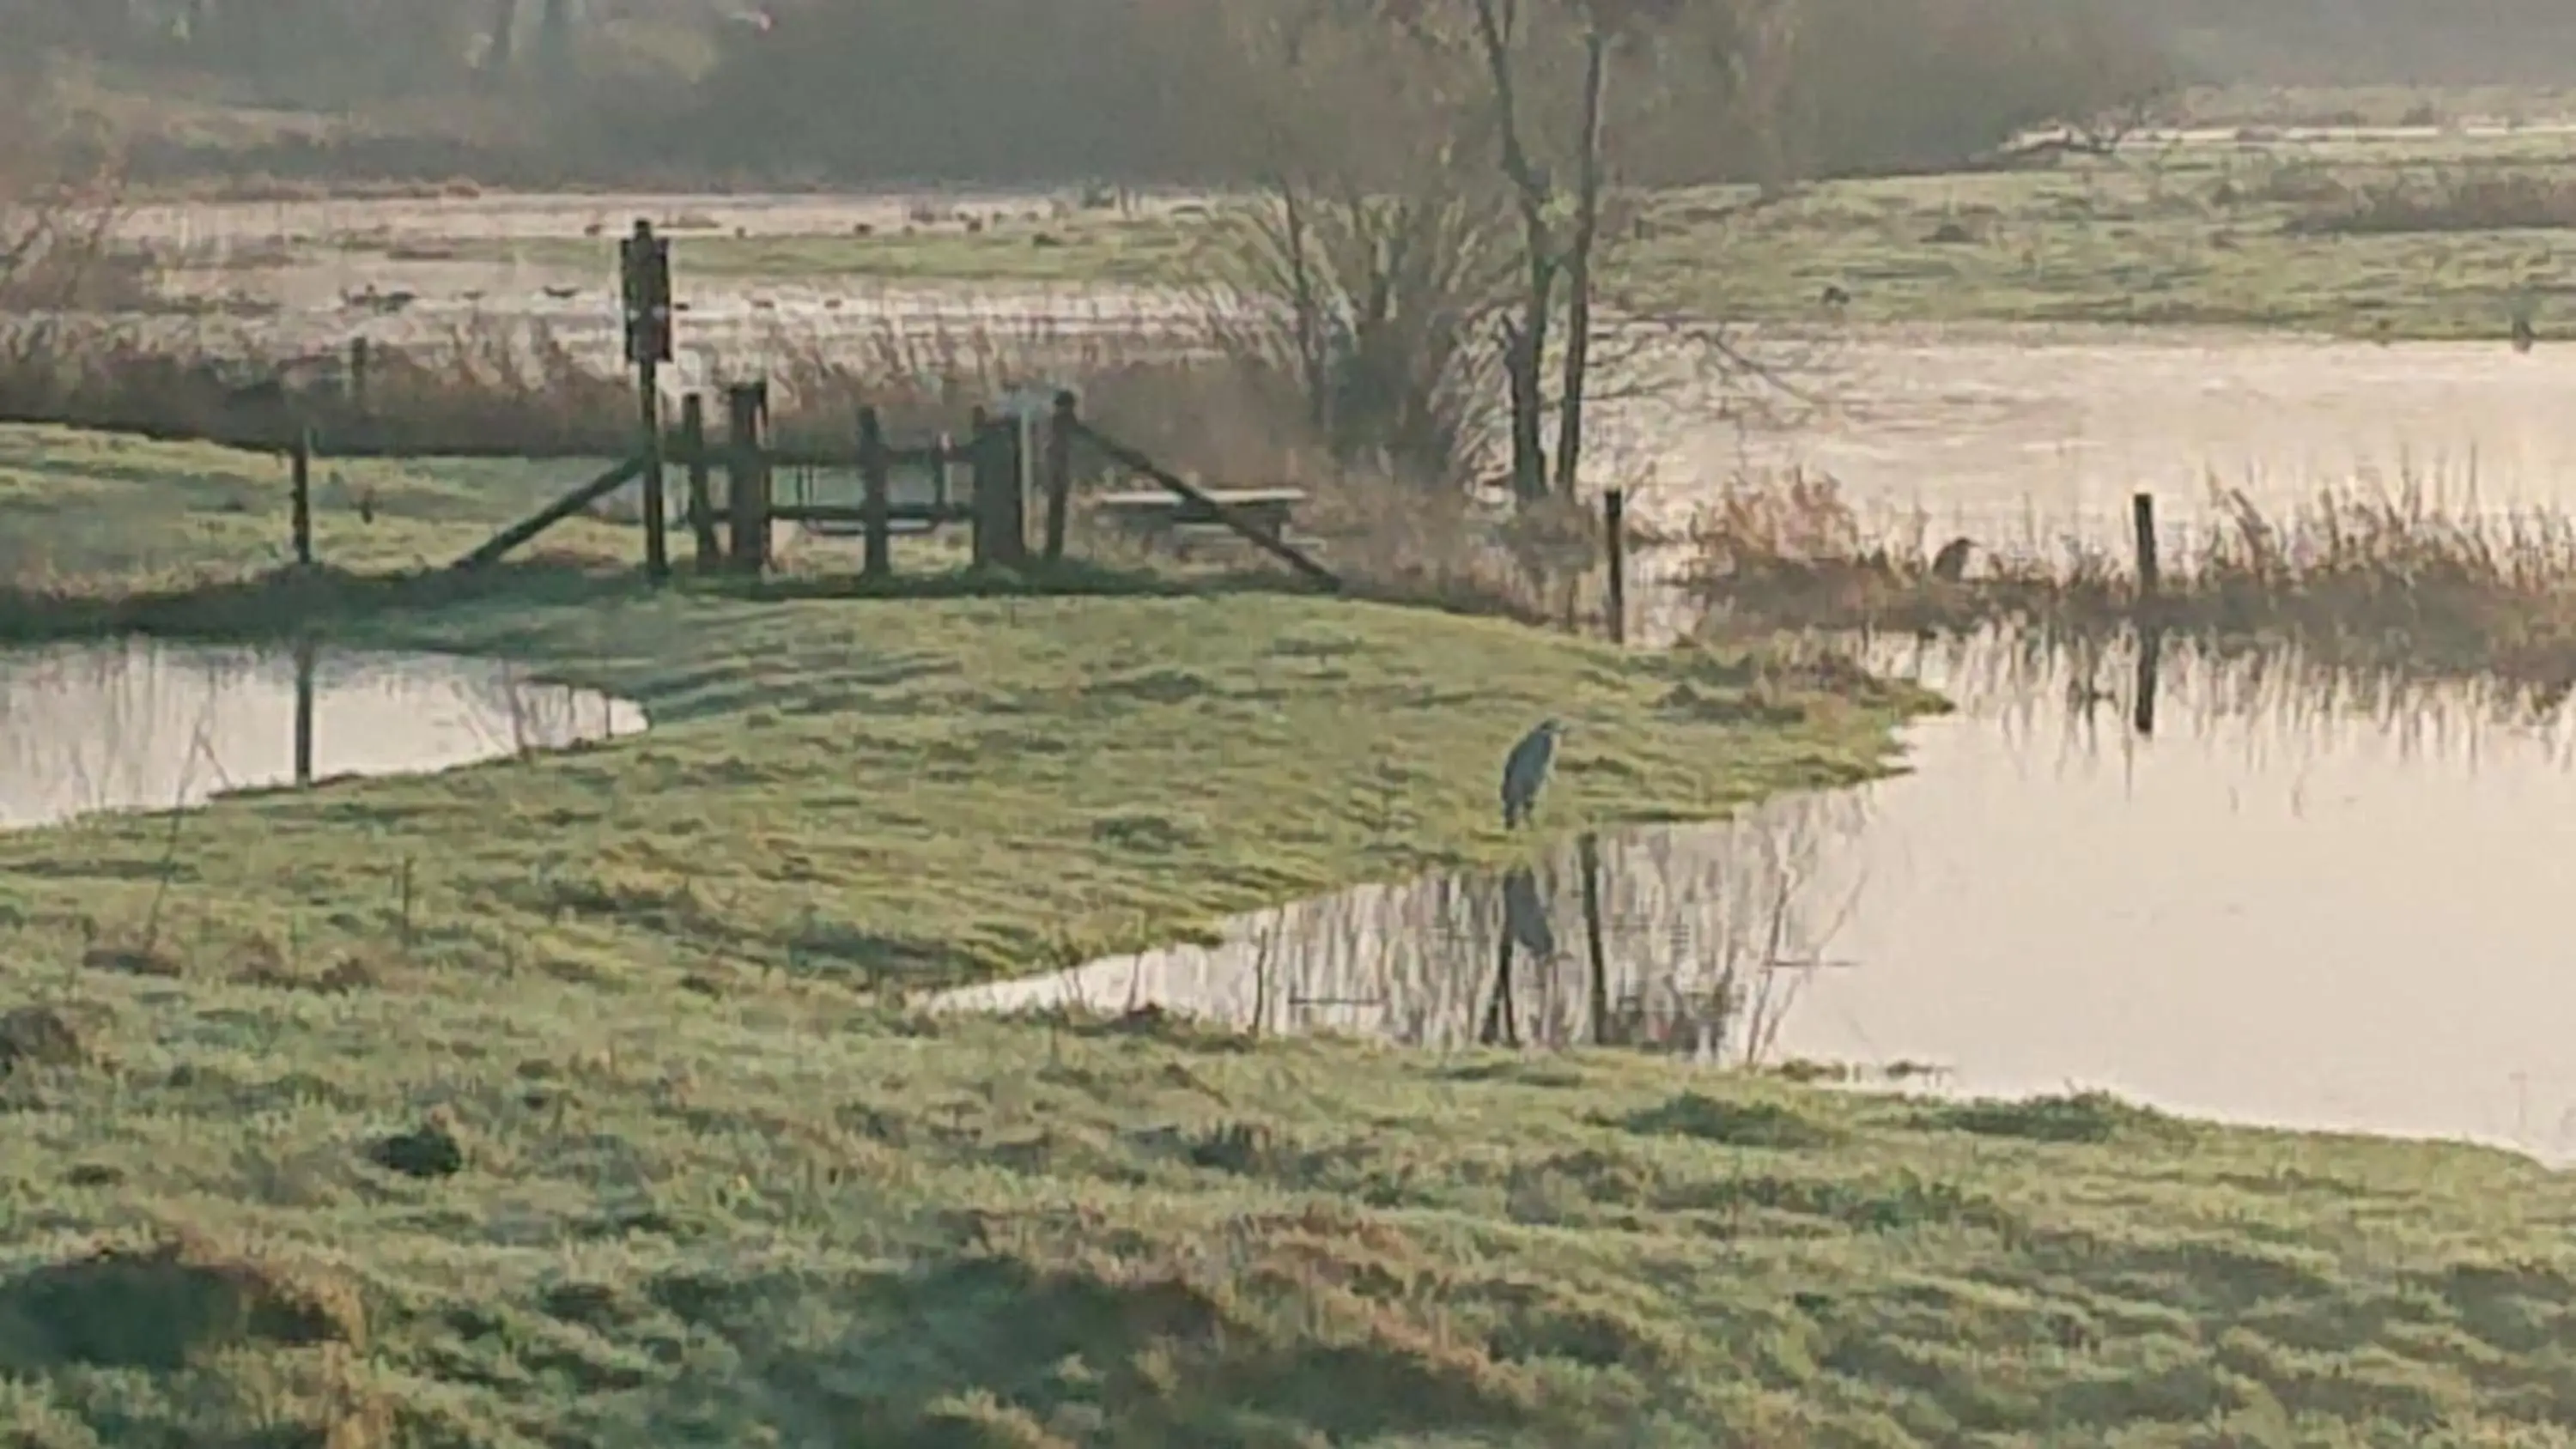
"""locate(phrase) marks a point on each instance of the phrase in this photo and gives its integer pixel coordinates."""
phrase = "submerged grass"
(573, 1100)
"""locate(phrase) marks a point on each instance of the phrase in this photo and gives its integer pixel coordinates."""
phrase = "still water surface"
(147, 725)
(2309, 906)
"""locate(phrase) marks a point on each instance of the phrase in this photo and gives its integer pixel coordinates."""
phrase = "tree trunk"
(554, 40)
(1578, 267)
(1525, 345)
(505, 40)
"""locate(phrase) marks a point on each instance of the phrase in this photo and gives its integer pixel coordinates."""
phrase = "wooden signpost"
(644, 268)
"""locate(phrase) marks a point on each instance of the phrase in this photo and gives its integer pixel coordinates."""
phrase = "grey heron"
(1525, 771)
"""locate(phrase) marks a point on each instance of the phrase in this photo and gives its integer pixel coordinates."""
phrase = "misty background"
(1186, 92)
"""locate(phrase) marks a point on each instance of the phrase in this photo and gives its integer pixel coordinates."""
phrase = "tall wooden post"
(1059, 471)
(299, 482)
(2150, 616)
(361, 362)
(1001, 483)
(1614, 529)
(644, 264)
(2142, 512)
(1587, 849)
(702, 507)
(657, 507)
(875, 485)
(747, 474)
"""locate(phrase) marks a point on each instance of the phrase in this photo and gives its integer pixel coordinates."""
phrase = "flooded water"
(2015, 435)
(2293, 904)
(2024, 436)
(143, 725)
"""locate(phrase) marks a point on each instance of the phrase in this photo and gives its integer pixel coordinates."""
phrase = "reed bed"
(2389, 578)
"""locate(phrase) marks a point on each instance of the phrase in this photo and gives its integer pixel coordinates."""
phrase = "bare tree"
(1522, 50)
(1366, 275)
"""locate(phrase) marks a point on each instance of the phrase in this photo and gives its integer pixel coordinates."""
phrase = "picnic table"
(1158, 512)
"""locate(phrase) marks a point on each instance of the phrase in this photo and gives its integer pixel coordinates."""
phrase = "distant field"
(2419, 234)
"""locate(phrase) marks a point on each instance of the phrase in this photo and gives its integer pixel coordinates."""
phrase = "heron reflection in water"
(1525, 914)
(1525, 771)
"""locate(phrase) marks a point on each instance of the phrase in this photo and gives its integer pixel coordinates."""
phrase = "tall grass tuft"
(2442, 201)
(2376, 578)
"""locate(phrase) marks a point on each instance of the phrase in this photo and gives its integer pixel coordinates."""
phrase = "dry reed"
(2389, 578)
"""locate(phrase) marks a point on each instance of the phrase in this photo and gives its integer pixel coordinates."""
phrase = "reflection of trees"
(147, 725)
(1706, 935)
(2271, 703)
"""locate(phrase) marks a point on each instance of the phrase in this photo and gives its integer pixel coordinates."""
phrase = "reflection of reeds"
(2282, 699)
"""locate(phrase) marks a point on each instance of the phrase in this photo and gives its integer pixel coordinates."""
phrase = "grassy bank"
(549, 1102)
(1150, 754)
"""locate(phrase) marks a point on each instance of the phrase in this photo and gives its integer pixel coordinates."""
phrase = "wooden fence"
(1009, 459)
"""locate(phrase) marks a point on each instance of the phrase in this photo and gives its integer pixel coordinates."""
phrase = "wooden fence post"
(360, 364)
(1614, 528)
(875, 485)
(2150, 620)
(299, 478)
(702, 507)
(2142, 510)
(657, 503)
(1059, 471)
(1587, 849)
(1001, 505)
(747, 474)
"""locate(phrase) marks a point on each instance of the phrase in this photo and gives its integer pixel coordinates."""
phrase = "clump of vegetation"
(2443, 201)
(1736, 1124)
(163, 1305)
(2078, 1117)
(2386, 580)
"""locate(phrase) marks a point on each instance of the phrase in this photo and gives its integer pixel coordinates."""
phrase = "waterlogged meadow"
(601, 1095)
(1104, 1007)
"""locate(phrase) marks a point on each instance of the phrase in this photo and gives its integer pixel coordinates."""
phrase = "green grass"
(2131, 243)
(92, 512)
(2204, 234)
(591, 1136)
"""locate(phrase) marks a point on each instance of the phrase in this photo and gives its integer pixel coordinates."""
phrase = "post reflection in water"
(151, 726)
